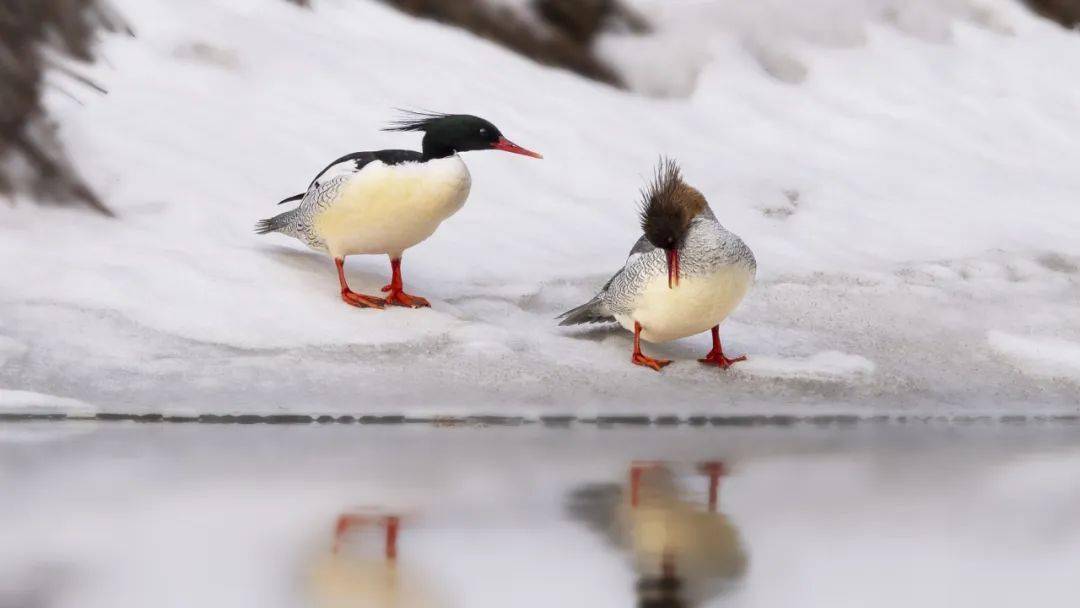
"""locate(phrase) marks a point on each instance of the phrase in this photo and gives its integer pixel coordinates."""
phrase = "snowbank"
(909, 195)
(1045, 357)
(29, 402)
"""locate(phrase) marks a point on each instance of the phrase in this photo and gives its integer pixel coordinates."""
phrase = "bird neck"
(434, 147)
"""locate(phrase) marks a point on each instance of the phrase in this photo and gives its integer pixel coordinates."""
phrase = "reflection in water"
(354, 574)
(174, 516)
(684, 553)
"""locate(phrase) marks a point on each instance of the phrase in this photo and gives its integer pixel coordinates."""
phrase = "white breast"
(697, 304)
(389, 208)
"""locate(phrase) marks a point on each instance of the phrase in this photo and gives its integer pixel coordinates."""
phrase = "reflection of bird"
(684, 276)
(387, 201)
(344, 578)
(683, 555)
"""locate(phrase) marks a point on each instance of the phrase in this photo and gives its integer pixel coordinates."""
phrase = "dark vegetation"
(1065, 12)
(564, 39)
(31, 157)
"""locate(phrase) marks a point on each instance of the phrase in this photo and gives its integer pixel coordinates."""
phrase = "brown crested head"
(668, 206)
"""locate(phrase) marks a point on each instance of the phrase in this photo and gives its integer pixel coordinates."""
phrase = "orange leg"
(639, 358)
(351, 297)
(637, 468)
(635, 483)
(395, 292)
(347, 522)
(715, 470)
(392, 523)
(716, 355)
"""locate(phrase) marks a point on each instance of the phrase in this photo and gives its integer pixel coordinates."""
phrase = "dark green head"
(448, 134)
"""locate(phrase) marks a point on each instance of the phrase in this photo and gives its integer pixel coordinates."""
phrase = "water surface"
(878, 515)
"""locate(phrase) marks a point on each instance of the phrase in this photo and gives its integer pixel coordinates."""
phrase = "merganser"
(683, 276)
(389, 200)
(683, 555)
(349, 577)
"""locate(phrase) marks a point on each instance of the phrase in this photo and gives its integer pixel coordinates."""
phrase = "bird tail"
(278, 223)
(593, 311)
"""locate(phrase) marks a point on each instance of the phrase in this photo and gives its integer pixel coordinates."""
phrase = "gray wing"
(642, 246)
(597, 309)
(621, 292)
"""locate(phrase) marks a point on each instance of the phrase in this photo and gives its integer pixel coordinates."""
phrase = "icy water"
(123, 514)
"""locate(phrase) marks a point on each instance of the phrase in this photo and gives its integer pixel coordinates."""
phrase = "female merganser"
(683, 555)
(684, 275)
(389, 200)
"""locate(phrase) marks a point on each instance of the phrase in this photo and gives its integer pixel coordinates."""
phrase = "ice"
(914, 190)
(10, 349)
(29, 402)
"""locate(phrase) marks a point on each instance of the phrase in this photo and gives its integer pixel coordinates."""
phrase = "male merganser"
(389, 200)
(349, 577)
(684, 275)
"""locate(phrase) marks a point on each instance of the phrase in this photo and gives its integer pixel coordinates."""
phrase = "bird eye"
(483, 131)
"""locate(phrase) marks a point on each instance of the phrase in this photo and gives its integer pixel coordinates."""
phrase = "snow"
(776, 34)
(29, 402)
(10, 349)
(913, 191)
(197, 515)
(1041, 356)
(828, 366)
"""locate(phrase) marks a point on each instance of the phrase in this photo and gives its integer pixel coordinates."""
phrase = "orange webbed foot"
(719, 360)
(397, 297)
(359, 300)
(645, 361)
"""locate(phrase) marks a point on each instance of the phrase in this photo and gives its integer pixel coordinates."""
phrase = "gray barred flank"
(300, 222)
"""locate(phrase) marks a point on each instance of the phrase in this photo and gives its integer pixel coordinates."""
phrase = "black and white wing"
(351, 164)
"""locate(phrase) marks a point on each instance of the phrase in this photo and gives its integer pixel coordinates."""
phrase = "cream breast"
(697, 304)
(389, 208)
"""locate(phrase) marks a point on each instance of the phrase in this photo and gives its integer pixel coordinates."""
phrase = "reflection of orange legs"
(347, 522)
(635, 483)
(391, 537)
(636, 469)
(715, 470)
